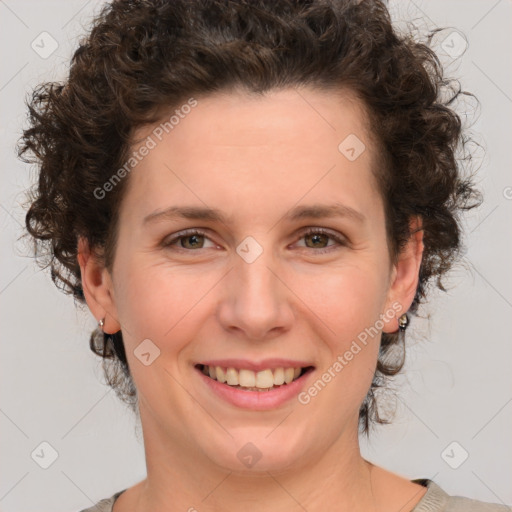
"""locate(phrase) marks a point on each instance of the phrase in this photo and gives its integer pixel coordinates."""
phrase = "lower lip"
(256, 400)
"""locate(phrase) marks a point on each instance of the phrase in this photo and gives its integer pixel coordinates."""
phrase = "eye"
(190, 239)
(319, 236)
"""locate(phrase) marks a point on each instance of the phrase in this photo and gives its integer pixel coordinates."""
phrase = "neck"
(178, 479)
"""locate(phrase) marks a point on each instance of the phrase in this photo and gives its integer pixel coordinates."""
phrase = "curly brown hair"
(144, 57)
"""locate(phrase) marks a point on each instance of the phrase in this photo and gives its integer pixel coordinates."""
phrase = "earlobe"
(97, 287)
(405, 275)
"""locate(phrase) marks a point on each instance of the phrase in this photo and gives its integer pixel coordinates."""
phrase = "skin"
(255, 158)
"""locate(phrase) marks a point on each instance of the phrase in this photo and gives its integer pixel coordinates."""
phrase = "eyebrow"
(314, 211)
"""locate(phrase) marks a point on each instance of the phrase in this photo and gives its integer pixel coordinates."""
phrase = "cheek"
(161, 306)
(160, 302)
(348, 299)
(350, 303)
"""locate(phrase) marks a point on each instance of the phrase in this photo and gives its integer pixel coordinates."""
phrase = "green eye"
(320, 236)
(193, 239)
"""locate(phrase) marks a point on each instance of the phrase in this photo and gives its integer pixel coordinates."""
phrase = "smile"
(250, 380)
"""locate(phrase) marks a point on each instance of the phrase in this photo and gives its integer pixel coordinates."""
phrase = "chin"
(258, 450)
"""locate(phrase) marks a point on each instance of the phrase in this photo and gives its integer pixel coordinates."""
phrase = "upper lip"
(256, 366)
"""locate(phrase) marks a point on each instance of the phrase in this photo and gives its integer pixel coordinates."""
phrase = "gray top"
(434, 500)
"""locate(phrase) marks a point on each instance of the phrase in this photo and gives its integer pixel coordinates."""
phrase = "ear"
(97, 287)
(405, 276)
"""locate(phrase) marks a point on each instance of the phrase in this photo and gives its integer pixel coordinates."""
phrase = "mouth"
(254, 381)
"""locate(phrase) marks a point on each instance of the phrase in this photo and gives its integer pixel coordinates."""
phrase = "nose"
(257, 303)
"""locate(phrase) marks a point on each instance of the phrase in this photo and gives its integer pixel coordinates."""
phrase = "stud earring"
(101, 323)
(403, 322)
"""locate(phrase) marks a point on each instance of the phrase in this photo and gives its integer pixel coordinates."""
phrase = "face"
(294, 272)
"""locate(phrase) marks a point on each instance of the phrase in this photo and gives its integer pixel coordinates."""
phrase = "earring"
(403, 322)
(101, 323)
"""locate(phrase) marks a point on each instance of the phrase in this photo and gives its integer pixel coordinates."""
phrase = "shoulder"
(104, 505)
(437, 500)
(460, 504)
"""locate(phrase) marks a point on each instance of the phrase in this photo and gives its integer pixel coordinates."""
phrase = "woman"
(252, 198)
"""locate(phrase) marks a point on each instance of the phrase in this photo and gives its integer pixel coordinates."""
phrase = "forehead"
(255, 148)
(245, 118)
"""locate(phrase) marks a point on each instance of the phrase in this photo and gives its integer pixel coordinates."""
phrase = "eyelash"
(309, 231)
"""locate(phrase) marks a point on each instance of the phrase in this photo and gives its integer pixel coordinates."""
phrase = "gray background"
(456, 387)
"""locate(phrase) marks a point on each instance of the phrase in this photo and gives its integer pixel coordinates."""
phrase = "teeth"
(288, 375)
(221, 374)
(231, 376)
(265, 379)
(247, 379)
(278, 376)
